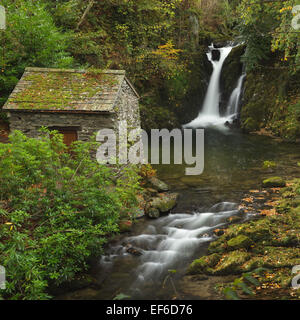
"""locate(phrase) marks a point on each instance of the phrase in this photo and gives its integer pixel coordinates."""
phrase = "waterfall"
(210, 113)
(234, 101)
(212, 99)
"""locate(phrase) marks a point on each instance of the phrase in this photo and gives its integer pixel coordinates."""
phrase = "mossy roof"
(44, 89)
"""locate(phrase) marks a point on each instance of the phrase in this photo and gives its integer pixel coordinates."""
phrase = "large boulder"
(217, 264)
(239, 242)
(204, 264)
(161, 204)
(165, 202)
(157, 184)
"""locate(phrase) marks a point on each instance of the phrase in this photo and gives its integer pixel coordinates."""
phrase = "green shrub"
(56, 210)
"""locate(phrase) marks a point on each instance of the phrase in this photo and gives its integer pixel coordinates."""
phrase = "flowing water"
(235, 98)
(209, 115)
(165, 247)
(233, 166)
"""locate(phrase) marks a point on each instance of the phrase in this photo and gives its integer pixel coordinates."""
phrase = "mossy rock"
(218, 246)
(165, 202)
(157, 184)
(274, 258)
(153, 213)
(256, 231)
(274, 182)
(204, 264)
(239, 242)
(280, 257)
(232, 263)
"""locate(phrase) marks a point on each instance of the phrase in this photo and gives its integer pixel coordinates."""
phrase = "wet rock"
(233, 124)
(274, 182)
(239, 242)
(205, 235)
(134, 251)
(219, 232)
(220, 43)
(153, 213)
(215, 55)
(155, 183)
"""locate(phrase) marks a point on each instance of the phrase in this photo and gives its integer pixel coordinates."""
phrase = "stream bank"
(234, 164)
(255, 260)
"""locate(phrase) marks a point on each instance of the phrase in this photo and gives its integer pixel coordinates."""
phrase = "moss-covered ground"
(261, 253)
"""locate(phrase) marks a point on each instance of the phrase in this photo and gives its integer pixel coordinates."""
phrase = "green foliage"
(121, 296)
(56, 210)
(272, 63)
(267, 28)
(269, 164)
(243, 284)
(31, 39)
(157, 117)
(256, 20)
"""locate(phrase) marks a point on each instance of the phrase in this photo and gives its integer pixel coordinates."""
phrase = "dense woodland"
(162, 46)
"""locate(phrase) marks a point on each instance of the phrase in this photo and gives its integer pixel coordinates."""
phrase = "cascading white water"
(233, 105)
(169, 242)
(210, 113)
(212, 99)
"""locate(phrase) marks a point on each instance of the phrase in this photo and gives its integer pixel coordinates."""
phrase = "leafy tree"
(31, 39)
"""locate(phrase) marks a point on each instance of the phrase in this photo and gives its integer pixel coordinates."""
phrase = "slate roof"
(67, 90)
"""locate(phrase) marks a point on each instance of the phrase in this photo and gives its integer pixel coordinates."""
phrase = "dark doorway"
(69, 133)
(69, 136)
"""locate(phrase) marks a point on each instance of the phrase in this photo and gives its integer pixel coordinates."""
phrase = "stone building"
(77, 103)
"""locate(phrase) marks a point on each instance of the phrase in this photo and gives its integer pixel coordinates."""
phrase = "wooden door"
(69, 136)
